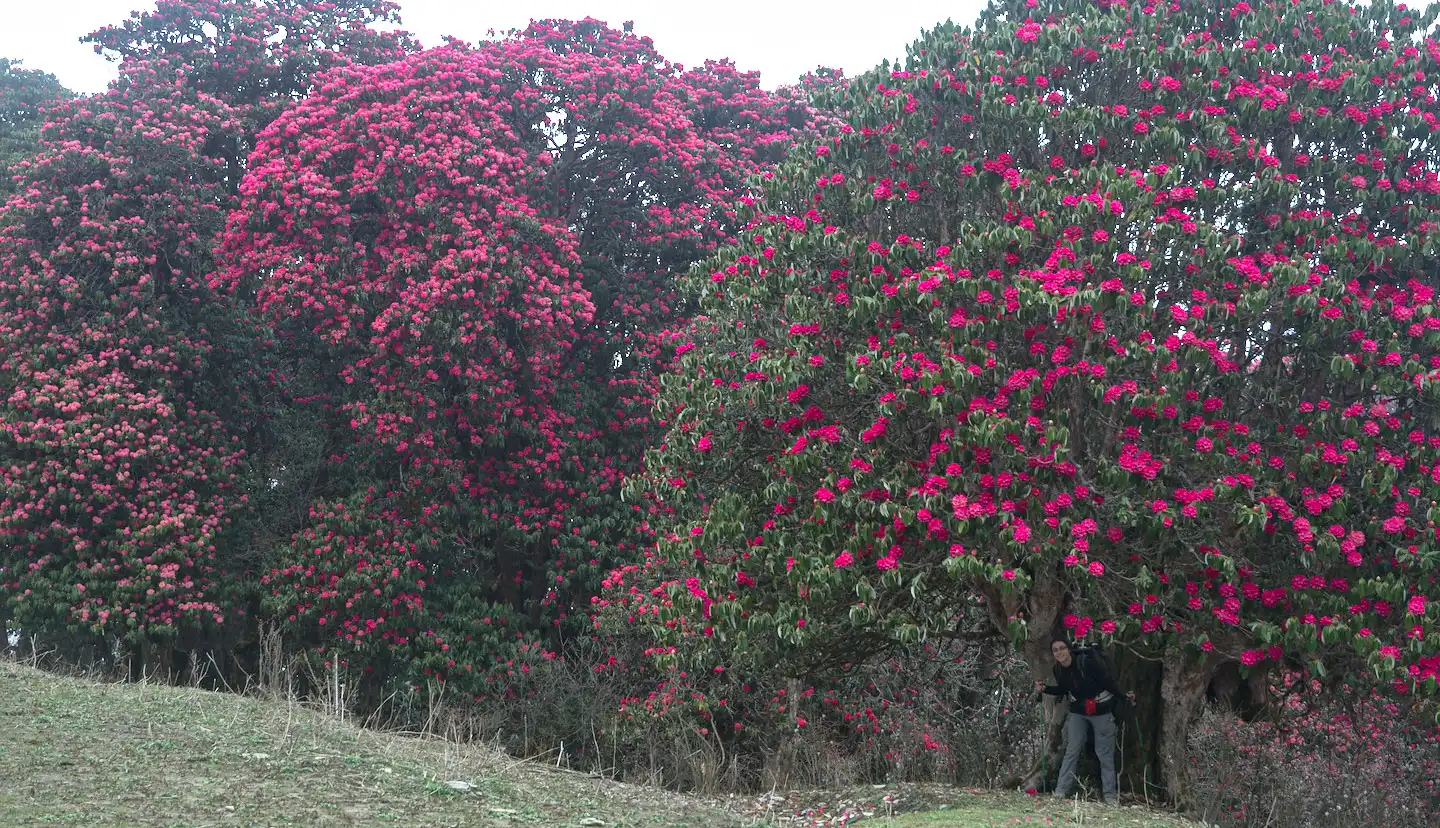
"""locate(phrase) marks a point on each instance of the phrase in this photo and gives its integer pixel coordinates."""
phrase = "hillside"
(85, 753)
(77, 752)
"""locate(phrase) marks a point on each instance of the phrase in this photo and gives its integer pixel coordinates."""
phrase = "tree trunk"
(1181, 691)
(1152, 740)
(1152, 749)
(1042, 610)
(139, 659)
(1043, 775)
(1137, 762)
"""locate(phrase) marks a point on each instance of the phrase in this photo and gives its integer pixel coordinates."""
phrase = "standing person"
(1093, 695)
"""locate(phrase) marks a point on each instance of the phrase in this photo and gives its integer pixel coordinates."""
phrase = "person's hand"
(1131, 696)
(1040, 686)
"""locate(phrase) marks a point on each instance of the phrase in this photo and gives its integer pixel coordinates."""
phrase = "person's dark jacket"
(1088, 684)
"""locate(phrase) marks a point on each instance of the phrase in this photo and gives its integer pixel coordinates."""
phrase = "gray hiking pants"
(1077, 727)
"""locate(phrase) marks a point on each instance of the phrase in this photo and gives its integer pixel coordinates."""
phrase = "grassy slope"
(81, 753)
(84, 753)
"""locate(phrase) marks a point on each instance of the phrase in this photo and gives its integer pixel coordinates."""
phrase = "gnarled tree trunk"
(1045, 773)
(1181, 691)
(1137, 761)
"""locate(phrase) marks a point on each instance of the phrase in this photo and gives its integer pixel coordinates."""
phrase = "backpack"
(1091, 660)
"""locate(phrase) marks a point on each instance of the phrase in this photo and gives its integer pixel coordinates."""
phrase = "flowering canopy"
(255, 55)
(1119, 320)
(24, 96)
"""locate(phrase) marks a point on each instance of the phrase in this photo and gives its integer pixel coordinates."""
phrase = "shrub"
(1353, 759)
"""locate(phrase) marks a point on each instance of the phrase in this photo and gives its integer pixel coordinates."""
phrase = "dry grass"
(85, 753)
(1003, 811)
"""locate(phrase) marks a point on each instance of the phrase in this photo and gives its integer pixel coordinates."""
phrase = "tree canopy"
(24, 96)
(133, 411)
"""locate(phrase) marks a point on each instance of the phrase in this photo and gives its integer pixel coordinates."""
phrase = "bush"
(1344, 761)
(952, 711)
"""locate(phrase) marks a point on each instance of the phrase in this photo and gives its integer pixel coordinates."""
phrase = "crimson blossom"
(1116, 321)
(25, 94)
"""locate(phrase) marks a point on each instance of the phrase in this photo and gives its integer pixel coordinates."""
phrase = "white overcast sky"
(780, 38)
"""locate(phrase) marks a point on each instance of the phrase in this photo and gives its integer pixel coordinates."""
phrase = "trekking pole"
(1120, 749)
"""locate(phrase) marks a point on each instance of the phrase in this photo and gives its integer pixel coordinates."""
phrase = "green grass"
(947, 806)
(1007, 810)
(85, 753)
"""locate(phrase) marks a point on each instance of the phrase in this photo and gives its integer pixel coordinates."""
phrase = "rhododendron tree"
(1115, 321)
(478, 245)
(137, 399)
(358, 591)
(118, 463)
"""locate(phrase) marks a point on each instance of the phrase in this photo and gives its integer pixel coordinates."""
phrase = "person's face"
(1061, 653)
